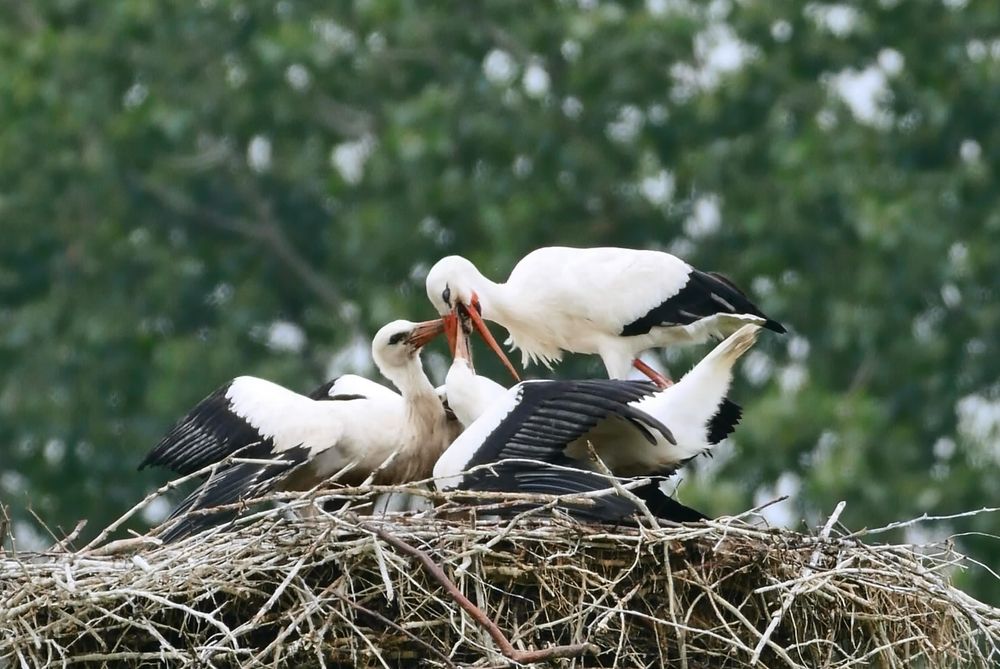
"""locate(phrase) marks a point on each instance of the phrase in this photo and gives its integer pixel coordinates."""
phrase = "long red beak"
(450, 321)
(484, 332)
(424, 332)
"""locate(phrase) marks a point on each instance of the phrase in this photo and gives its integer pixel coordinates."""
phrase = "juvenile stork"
(635, 428)
(355, 428)
(612, 302)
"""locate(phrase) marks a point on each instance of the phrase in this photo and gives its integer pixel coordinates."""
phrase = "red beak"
(477, 322)
(424, 332)
(451, 331)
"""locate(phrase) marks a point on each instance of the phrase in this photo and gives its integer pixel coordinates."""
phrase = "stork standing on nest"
(634, 427)
(355, 429)
(612, 302)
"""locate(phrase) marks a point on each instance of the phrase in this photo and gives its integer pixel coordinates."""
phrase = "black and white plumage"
(353, 429)
(636, 428)
(612, 302)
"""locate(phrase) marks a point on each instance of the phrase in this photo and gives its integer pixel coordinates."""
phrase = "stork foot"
(654, 376)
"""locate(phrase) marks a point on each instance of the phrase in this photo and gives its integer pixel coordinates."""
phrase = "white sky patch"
(682, 247)
(718, 51)
(499, 67)
(156, 511)
(135, 95)
(536, 81)
(298, 77)
(970, 151)
(793, 378)
(354, 358)
(523, 166)
(976, 50)
(762, 286)
(955, 4)
(259, 153)
(54, 451)
(572, 107)
(838, 20)
(570, 50)
(658, 189)
(661, 8)
(781, 31)
(349, 158)
(979, 425)
(781, 514)
(865, 93)
(28, 537)
(925, 325)
(286, 336)
(798, 348)
(758, 367)
(951, 295)
(13, 483)
(944, 448)
(891, 62)
(334, 35)
(705, 218)
(626, 126)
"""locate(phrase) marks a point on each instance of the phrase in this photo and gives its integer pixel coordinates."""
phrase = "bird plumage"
(613, 302)
(353, 428)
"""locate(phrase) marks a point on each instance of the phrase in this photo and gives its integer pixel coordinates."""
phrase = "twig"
(522, 656)
(794, 592)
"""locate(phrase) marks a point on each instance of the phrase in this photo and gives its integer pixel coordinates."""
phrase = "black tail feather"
(724, 421)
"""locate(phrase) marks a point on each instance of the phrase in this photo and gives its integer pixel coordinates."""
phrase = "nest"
(340, 589)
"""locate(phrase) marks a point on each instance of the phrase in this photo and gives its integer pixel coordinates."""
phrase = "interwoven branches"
(332, 591)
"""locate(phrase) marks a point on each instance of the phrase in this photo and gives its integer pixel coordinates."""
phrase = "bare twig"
(501, 640)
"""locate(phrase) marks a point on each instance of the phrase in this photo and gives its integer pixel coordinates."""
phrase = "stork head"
(400, 341)
(452, 285)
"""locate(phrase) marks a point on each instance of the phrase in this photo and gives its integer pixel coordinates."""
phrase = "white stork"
(350, 426)
(636, 428)
(612, 302)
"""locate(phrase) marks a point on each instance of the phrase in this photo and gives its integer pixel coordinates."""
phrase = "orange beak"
(477, 322)
(424, 332)
(451, 331)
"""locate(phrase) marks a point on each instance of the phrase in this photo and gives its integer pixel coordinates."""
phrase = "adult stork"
(555, 422)
(613, 302)
(354, 428)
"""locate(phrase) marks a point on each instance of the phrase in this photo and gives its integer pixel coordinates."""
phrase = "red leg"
(654, 376)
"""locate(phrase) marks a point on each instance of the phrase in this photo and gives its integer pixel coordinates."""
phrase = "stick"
(794, 592)
(501, 640)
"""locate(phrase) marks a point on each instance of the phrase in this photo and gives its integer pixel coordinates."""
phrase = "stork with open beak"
(612, 302)
(355, 428)
(635, 428)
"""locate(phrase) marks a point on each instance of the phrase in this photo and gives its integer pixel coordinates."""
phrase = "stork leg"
(654, 376)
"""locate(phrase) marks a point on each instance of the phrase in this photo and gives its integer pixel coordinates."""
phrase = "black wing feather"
(233, 483)
(549, 415)
(705, 294)
(208, 434)
(532, 478)
(724, 421)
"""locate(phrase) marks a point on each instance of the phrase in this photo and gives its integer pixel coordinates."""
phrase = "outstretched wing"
(232, 484)
(527, 477)
(704, 294)
(242, 414)
(539, 419)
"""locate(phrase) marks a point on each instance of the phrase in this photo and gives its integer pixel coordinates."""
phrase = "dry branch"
(328, 591)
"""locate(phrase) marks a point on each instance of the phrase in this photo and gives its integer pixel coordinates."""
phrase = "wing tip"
(725, 420)
(774, 326)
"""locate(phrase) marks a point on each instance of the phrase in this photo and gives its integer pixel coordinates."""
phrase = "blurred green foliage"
(189, 192)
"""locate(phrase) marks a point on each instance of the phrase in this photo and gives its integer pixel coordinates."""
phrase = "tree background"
(195, 191)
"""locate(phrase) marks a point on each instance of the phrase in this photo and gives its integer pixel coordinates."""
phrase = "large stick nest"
(334, 591)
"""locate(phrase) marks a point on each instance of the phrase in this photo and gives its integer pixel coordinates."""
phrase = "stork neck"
(410, 379)
(492, 298)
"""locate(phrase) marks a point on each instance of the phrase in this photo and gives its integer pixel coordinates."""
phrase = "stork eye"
(397, 338)
(446, 295)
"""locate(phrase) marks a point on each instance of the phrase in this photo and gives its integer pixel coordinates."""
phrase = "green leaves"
(174, 181)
